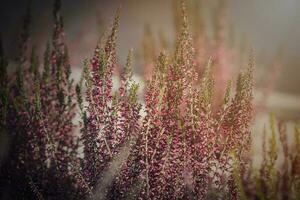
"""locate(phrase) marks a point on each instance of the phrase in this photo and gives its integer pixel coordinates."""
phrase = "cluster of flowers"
(184, 147)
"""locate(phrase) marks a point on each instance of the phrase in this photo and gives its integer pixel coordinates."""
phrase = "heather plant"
(184, 146)
(210, 37)
(275, 177)
(110, 122)
(213, 36)
(38, 109)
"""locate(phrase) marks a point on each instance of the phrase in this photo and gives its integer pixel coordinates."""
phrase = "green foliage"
(207, 87)
(46, 72)
(34, 64)
(37, 97)
(227, 93)
(237, 178)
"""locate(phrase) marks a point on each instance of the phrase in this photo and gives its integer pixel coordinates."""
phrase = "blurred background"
(270, 27)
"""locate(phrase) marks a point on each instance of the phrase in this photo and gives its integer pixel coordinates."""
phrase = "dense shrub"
(184, 146)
